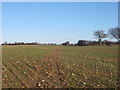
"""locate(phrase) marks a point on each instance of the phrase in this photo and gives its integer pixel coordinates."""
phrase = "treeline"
(113, 33)
(99, 35)
(79, 43)
(30, 43)
(91, 43)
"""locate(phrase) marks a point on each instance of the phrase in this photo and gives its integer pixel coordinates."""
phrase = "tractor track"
(50, 70)
(13, 73)
(35, 76)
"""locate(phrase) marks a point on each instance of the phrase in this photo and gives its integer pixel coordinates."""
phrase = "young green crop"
(82, 66)
(95, 66)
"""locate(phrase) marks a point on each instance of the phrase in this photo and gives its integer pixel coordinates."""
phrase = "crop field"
(56, 66)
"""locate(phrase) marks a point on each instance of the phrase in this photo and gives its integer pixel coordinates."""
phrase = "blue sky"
(56, 22)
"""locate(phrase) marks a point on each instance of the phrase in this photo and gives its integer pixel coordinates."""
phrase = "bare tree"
(99, 34)
(115, 33)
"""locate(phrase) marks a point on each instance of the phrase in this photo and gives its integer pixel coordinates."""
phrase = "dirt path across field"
(49, 70)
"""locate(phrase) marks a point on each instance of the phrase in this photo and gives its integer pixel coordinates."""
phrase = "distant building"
(66, 43)
(82, 43)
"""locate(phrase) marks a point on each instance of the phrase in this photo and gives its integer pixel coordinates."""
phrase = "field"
(59, 66)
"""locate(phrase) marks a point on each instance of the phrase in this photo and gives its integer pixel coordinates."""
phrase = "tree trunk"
(100, 42)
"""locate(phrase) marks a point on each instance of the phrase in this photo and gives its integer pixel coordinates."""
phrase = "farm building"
(66, 43)
(82, 43)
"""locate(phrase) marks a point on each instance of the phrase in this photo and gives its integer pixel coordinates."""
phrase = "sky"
(50, 22)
